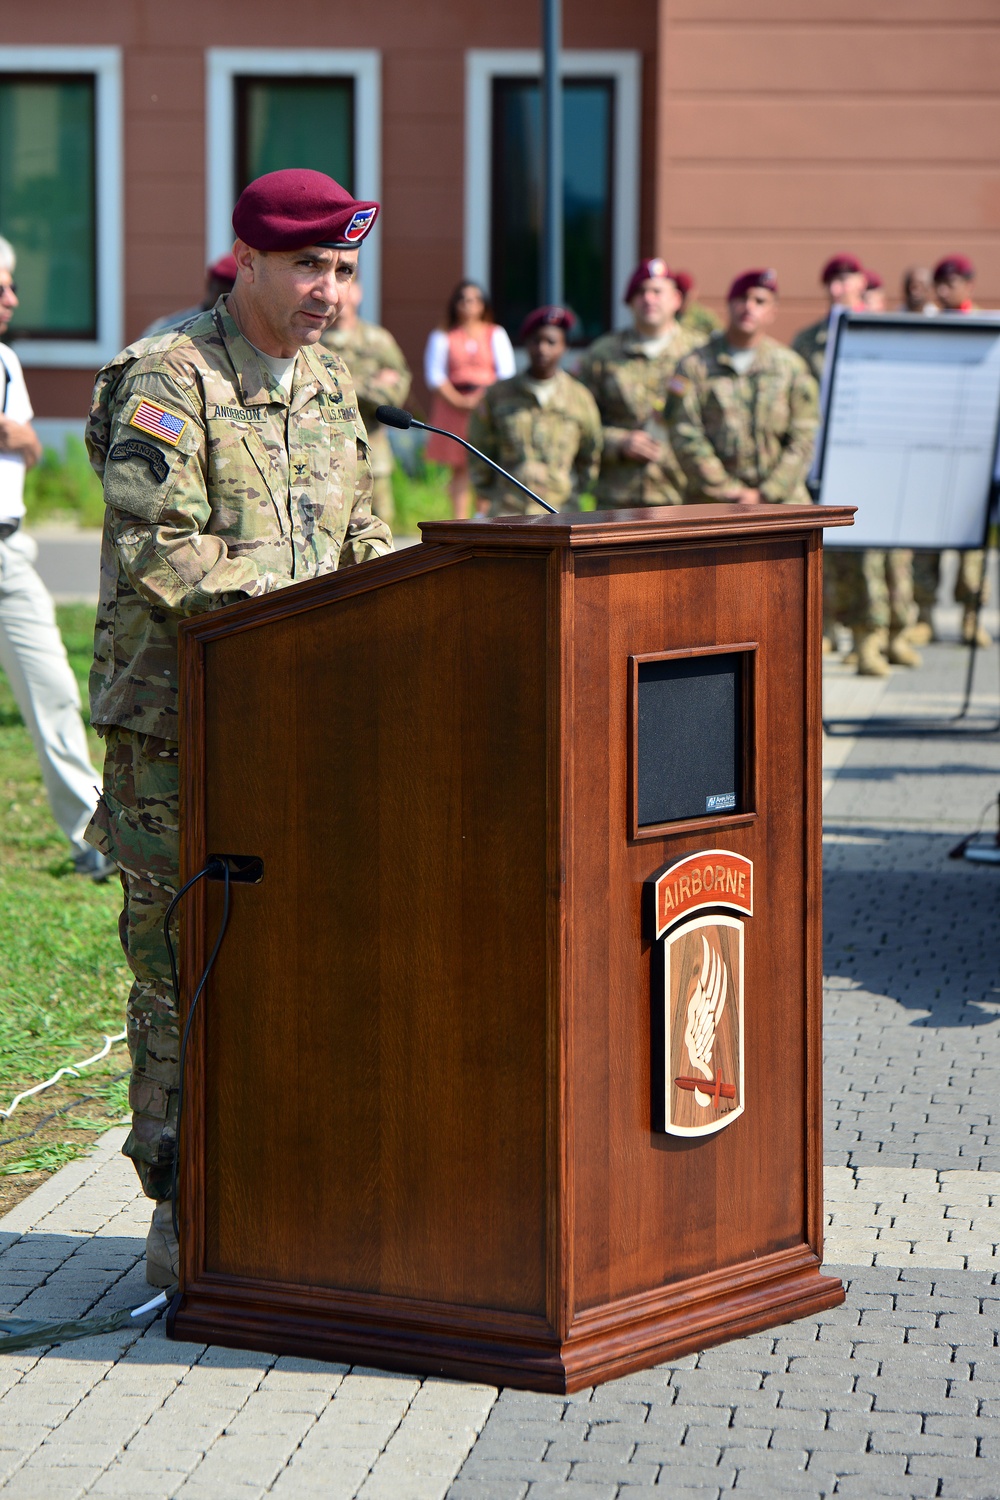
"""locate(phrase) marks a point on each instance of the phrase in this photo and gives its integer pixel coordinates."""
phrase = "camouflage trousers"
(868, 590)
(927, 580)
(136, 825)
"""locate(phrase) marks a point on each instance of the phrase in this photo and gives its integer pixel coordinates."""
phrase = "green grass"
(64, 489)
(420, 497)
(63, 979)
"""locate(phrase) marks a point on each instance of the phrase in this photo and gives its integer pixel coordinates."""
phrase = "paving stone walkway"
(896, 1393)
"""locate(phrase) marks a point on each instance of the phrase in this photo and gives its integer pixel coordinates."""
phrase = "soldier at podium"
(743, 409)
(542, 425)
(234, 462)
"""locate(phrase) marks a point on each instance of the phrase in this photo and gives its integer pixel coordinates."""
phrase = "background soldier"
(694, 316)
(953, 281)
(543, 426)
(234, 462)
(381, 377)
(743, 408)
(918, 291)
(628, 373)
(870, 592)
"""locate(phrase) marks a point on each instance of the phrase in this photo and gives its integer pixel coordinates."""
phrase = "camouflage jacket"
(217, 488)
(554, 449)
(756, 430)
(381, 378)
(630, 387)
(697, 318)
(810, 343)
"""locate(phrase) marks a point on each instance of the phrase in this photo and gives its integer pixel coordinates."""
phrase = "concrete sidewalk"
(896, 1393)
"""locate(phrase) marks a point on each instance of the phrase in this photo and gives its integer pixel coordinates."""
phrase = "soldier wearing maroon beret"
(742, 409)
(234, 463)
(627, 373)
(954, 277)
(542, 425)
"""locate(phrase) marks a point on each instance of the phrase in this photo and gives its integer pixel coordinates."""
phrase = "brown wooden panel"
(377, 1023)
(652, 1209)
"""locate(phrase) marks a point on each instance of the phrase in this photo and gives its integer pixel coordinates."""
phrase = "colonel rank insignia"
(157, 420)
(698, 995)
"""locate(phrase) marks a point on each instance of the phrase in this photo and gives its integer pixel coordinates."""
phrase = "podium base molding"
(512, 1349)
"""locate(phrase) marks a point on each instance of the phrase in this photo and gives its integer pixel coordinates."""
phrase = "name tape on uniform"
(241, 413)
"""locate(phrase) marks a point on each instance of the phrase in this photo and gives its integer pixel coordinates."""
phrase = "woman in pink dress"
(460, 361)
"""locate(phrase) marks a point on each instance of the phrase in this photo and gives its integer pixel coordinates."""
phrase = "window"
(516, 209)
(295, 122)
(271, 108)
(60, 200)
(503, 206)
(47, 202)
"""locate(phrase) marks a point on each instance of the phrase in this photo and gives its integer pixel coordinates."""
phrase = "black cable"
(212, 868)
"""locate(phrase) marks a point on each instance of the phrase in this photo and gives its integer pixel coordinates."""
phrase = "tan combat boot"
(973, 627)
(871, 662)
(901, 653)
(921, 634)
(162, 1251)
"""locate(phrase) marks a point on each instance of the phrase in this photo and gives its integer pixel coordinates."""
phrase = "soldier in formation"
(869, 592)
(381, 377)
(628, 373)
(234, 462)
(954, 278)
(543, 426)
(743, 408)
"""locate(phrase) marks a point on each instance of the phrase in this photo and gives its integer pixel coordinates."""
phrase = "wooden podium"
(497, 1075)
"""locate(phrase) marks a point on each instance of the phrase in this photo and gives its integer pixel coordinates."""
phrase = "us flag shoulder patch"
(159, 422)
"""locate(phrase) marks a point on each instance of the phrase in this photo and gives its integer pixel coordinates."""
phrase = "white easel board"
(910, 426)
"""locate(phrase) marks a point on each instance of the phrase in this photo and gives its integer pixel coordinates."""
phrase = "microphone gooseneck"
(395, 416)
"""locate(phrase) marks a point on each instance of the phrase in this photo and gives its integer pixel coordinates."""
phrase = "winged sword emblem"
(705, 1007)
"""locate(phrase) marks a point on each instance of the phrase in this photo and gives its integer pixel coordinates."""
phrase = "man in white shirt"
(31, 649)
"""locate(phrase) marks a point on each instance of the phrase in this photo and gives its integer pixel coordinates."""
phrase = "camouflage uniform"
(754, 430)
(868, 590)
(218, 487)
(630, 387)
(381, 377)
(554, 449)
(700, 320)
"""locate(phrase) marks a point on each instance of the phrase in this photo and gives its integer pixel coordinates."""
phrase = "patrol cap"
(646, 270)
(841, 265)
(296, 207)
(224, 269)
(954, 265)
(546, 317)
(747, 280)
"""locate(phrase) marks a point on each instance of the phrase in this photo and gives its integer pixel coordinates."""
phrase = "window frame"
(223, 65)
(482, 67)
(104, 64)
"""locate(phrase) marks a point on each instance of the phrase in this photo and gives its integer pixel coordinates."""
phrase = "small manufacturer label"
(720, 802)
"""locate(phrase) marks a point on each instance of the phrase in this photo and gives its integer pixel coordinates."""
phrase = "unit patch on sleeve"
(159, 422)
(133, 448)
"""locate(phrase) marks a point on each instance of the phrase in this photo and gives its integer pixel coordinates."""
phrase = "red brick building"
(719, 133)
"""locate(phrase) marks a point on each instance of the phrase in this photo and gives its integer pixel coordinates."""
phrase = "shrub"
(64, 488)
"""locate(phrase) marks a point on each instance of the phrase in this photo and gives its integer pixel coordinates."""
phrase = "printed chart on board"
(911, 410)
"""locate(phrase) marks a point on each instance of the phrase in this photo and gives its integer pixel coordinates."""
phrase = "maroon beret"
(841, 265)
(646, 270)
(224, 269)
(546, 317)
(873, 281)
(297, 207)
(684, 282)
(954, 265)
(744, 283)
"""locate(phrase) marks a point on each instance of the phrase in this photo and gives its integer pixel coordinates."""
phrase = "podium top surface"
(646, 523)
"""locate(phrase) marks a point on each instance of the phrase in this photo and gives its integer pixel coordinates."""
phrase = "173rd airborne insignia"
(698, 972)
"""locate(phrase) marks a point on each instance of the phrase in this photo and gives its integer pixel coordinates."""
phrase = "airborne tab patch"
(157, 420)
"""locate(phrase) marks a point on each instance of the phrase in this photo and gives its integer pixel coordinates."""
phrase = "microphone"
(395, 416)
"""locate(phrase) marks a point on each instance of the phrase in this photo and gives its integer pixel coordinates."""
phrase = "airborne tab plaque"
(699, 949)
